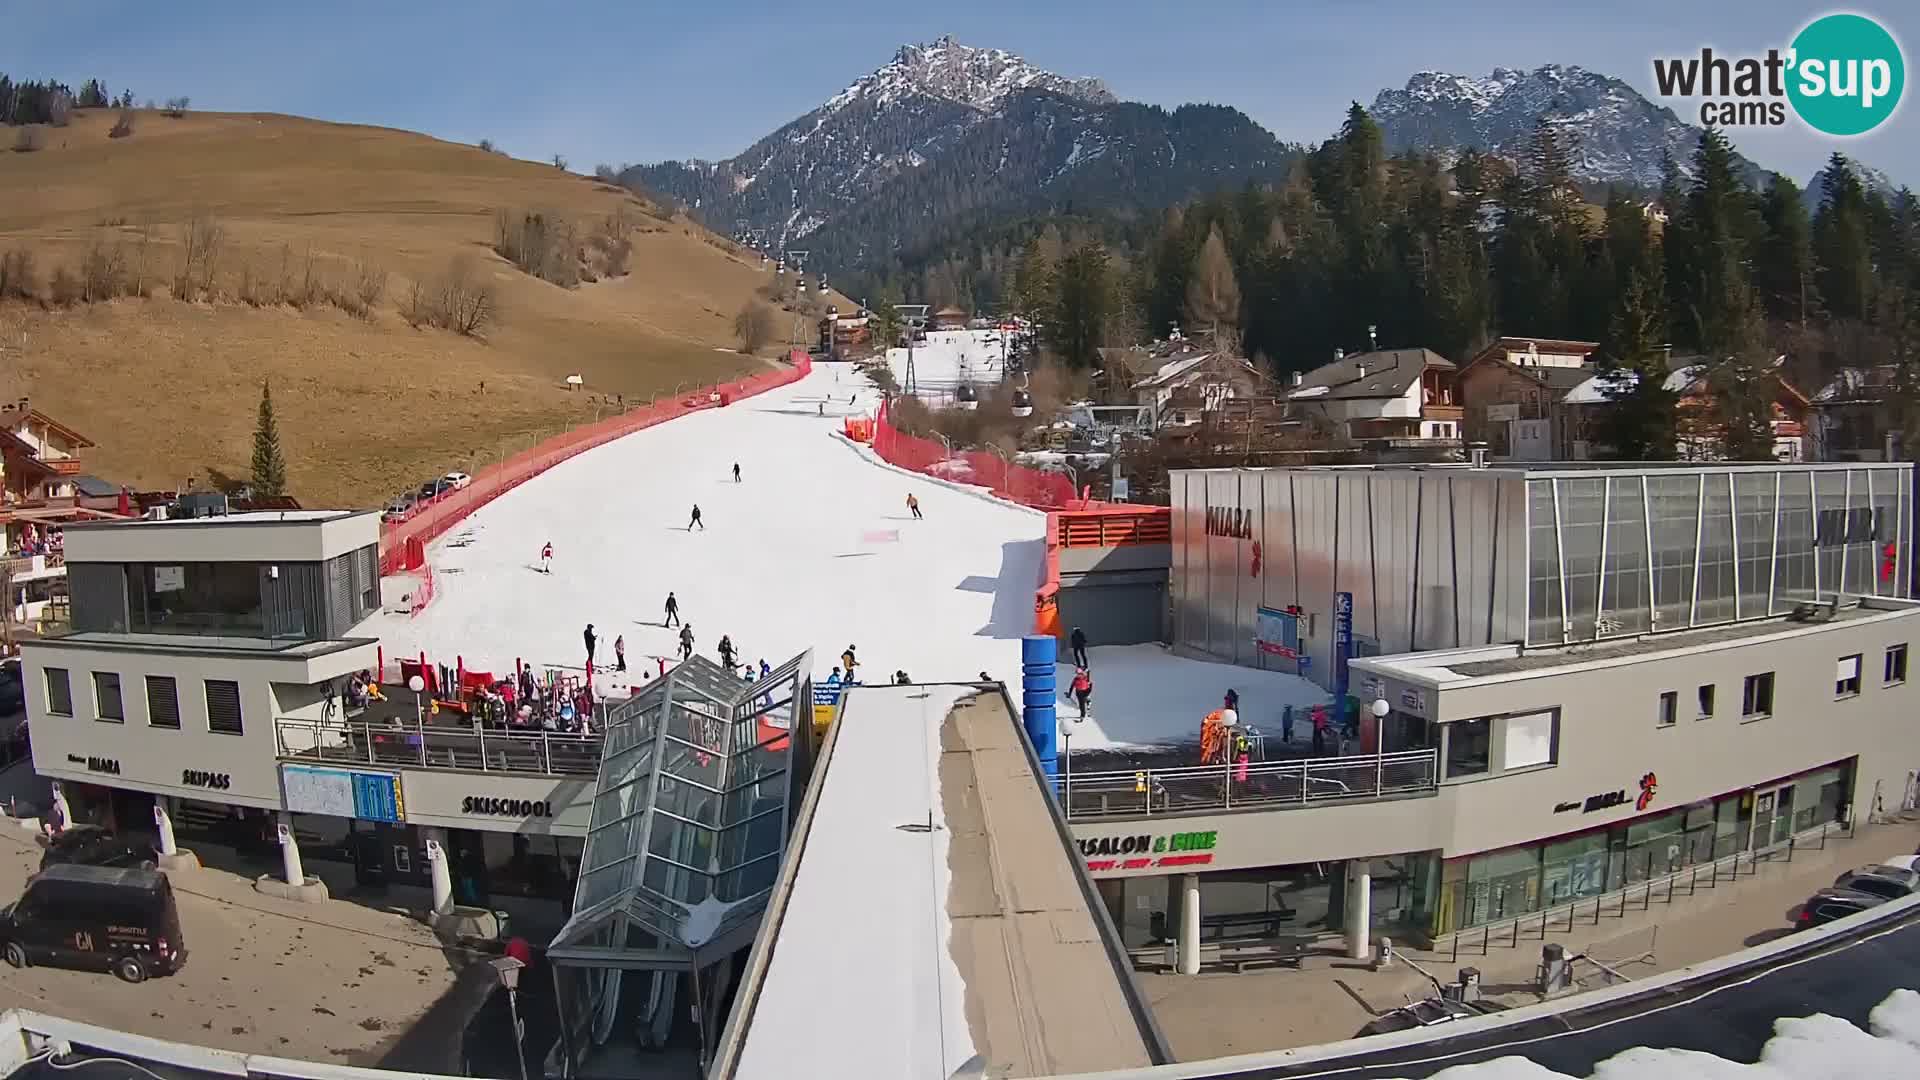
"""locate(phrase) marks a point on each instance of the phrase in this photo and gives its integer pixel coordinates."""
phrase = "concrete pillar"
(62, 812)
(440, 867)
(163, 821)
(1190, 924)
(1359, 906)
(291, 870)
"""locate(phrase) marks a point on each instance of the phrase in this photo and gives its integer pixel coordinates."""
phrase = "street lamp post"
(508, 968)
(417, 684)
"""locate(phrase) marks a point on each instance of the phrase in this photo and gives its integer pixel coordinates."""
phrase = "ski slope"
(814, 550)
(948, 358)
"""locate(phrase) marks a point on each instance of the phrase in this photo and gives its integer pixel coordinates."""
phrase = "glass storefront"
(1445, 895)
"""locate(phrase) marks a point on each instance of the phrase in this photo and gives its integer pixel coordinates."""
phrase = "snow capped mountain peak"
(971, 76)
(1618, 136)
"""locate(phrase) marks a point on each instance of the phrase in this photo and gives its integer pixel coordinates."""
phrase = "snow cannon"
(1039, 690)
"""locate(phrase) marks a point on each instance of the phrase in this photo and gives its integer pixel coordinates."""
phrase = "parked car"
(1829, 904)
(1903, 862)
(432, 488)
(89, 845)
(398, 508)
(1427, 1013)
(106, 919)
(1886, 880)
(457, 480)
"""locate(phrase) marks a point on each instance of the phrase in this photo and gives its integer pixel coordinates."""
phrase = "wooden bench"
(1239, 956)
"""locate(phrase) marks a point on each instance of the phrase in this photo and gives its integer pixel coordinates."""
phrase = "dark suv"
(1827, 905)
(88, 845)
(1890, 882)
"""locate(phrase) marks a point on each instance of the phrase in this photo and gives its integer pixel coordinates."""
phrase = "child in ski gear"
(1082, 689)
(695, 520)
(1079, 643)
(546, 558)
(620, 653)
(673, 611)
(913, 507)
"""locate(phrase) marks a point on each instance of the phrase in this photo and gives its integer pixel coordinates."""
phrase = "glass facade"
(1458, 894)
(1440, 557)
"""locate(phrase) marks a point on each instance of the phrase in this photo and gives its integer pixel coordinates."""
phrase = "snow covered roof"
(1856, 385)
(1594, 390)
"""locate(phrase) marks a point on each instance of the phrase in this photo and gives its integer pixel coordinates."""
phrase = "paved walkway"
(326, 982)
(1331, 997)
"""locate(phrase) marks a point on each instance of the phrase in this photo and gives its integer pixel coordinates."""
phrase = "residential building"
(1184, 381)
(1856, 416)
(949, 318)
(41, 456)
(1698, 429)
(1513, 392)
(1396, 397)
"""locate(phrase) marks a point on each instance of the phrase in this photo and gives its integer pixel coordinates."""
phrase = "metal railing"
(1265, 785)
(439, 746)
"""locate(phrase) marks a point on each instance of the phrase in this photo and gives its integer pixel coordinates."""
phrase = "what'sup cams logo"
(1842, 75)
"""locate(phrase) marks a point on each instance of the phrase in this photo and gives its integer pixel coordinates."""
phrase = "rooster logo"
(1649, 784)
(1254, 570)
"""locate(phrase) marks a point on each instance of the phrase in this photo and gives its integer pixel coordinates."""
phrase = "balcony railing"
(439, 747)
(1265, 785)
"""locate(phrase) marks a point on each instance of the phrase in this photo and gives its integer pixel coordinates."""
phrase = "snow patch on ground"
(1145, 696)
(948, 358)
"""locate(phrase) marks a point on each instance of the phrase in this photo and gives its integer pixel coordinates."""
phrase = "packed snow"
(814, 549)
(949, 358)
(1145, 696)
(1817, 1047)
(896, 1001)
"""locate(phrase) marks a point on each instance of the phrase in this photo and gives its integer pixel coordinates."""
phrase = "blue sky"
(633, 82)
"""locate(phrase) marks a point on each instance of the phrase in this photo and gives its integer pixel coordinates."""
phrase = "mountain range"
(946, 132)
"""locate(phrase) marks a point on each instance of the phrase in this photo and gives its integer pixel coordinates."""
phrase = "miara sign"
(1230, 521)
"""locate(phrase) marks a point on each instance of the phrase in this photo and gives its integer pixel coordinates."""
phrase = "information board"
(342, 793)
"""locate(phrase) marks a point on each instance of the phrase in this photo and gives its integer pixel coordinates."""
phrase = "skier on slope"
(695, 520)
(913, 506)
(673, 611)
(686, 642)
(546, 558)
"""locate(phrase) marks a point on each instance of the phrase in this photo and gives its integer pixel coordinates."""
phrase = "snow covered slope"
(814, 549)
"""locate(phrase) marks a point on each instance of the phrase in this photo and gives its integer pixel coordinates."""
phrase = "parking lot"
(334, 982)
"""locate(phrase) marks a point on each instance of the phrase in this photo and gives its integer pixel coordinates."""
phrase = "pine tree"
(1082, 305)
(1783, 261)
(269, 467)
(1840, 241)
(1213, 294)
(1640, 422)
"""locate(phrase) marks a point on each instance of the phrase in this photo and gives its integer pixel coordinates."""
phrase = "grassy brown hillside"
(366, 405)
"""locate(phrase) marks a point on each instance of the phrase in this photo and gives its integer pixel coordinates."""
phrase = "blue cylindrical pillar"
(1037, 680)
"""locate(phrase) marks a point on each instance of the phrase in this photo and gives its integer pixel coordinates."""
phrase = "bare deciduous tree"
(176, 106)
(28, 139)
(103, 270)
(753, 326)
(18, 278)
(122, 125)
(201, 241)
(370, 284)
(63, 289)
(60, 108)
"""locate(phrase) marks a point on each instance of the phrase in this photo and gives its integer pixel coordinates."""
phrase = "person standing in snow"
(913, 507)
(1082, 690)
(695, 519)
(1079, 643)
(673, 611)
(847, 661)
(620, 653)
(725, 649)
(588, 637)
(736, 472)
(686, 642)
(546, 558)
(765, 670)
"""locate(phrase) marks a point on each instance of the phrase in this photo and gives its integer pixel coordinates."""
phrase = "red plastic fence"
(444, 512)
(1024, 485)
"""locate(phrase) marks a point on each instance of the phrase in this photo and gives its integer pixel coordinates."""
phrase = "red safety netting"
(430, 519)
(1024, 485)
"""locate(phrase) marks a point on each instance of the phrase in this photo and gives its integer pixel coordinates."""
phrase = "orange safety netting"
(403, 543)
(1024, 485)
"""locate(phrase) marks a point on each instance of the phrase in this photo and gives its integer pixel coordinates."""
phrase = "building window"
(1846, 676)
(1706, 703)
(1757, 699)
(1468, 744)
(1531, 739)
(1669, 708)
(163, 702)
(196, 598)
(223, 707)
(59, 693)
(106, 697)
(1896, 664)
